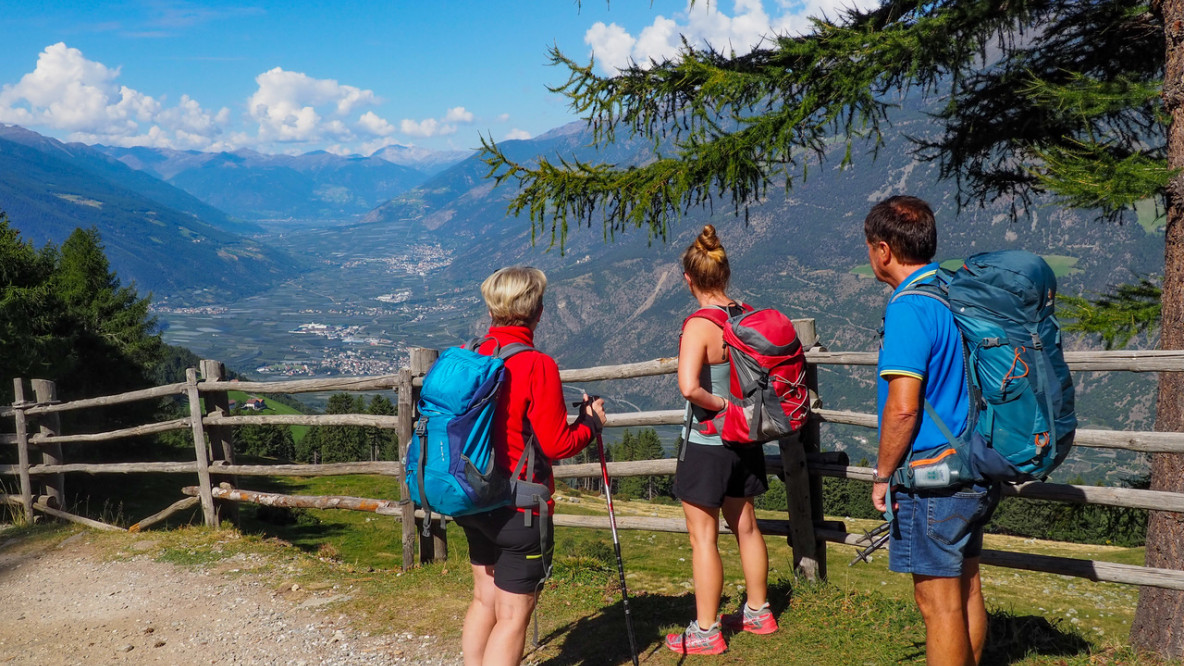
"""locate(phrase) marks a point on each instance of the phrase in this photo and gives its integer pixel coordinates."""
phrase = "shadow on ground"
(602, 638)
(1012, 638)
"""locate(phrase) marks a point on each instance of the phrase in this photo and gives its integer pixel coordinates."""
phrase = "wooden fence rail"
(37, 431)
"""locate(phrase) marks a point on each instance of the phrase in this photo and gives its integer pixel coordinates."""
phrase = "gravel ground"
(62, 603)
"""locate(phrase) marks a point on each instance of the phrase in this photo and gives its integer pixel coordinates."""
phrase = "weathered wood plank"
(22, 448)
(1132, 498)
(50, 425)
(81, 520)
(108, 400)
(657, 524)
(1106, 572)
(434, 546)
(134, 431)
(406, 415)
(299, 501)
(175, 507)
(217, 404)
(199, 448)
(660, 366)
(367, 420)
(1151, 360)
(1130, 440)
(334, 384)
(381, 468)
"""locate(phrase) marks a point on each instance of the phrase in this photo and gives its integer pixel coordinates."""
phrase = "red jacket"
(532, 392)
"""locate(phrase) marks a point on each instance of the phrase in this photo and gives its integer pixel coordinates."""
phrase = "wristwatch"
(876, 478)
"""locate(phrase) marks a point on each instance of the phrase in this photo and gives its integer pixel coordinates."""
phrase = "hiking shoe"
(759, 621)
(698, 641)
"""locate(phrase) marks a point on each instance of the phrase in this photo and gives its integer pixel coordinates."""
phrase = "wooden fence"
(36, 431)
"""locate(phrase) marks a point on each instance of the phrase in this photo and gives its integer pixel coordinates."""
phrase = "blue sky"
(346, 76)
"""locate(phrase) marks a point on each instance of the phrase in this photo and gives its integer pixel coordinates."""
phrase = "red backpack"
(767, 398)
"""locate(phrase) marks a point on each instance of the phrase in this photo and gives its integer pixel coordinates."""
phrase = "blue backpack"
(450, 466)
(1021, 423)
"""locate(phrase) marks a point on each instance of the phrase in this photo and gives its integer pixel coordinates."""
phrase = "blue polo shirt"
(921, 340)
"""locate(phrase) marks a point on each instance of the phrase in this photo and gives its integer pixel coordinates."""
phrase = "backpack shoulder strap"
(716, 314)
(474, 344)
(512, 349)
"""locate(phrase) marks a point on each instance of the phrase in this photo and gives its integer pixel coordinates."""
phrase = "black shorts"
(709, 473)
(501, 539)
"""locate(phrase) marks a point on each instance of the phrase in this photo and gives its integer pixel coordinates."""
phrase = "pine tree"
(1065, 97)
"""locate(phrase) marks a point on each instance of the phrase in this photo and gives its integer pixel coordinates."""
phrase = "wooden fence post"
(432, 548)
(51, 453)
(22, 446)
(217, 403)
(804, 491)
(406, 432)
(199, 446)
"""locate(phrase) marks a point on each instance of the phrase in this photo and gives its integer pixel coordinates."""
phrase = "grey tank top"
(714, 378)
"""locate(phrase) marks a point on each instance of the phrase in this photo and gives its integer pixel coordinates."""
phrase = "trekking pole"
(612, 521)
(876, 540)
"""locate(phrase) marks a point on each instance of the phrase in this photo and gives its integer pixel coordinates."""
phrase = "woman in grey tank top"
(713, 478)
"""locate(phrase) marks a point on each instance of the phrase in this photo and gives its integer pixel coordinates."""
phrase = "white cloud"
(517, 134)
(611, 45)
(375, 124)
(703, 23)
(503, 117)
(65, 91)
(444, 126)
(424, 128)
(458, 114)
(292, 106)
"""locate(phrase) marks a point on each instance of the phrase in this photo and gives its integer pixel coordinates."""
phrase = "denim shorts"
(934, 531)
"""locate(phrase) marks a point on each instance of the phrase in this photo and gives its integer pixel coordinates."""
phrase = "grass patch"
(298, 431)
(863, 271)
(864, 614)
(1062, 265)
(1148, 217)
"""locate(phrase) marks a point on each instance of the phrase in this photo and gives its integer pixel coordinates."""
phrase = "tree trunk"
(1159, 618)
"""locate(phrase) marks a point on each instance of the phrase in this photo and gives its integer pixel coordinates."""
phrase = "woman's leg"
(508, 637)
(706, 567)
(480, 619)
(754, 556)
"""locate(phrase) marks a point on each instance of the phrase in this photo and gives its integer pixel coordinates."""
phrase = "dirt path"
(64, 603)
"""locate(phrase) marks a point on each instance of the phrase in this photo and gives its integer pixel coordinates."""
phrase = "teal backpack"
(1021, 423)
(450, 464)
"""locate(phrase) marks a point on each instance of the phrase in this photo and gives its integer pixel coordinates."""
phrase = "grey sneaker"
(698, 641)
(759, 621)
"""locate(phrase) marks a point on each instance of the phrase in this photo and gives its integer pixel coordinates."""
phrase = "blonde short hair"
(515, 295)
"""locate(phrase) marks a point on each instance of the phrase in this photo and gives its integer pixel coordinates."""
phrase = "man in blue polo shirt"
(936, 535)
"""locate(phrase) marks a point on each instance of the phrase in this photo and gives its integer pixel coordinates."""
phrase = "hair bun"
(707, 240)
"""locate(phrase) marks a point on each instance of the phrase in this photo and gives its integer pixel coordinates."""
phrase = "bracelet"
(876, 478)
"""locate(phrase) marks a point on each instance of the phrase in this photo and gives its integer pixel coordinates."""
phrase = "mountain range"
(612, 298)
(313, 189)
(161, 238)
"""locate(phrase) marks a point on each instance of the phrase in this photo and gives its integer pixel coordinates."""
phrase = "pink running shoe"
(759, 621)
(698, 641)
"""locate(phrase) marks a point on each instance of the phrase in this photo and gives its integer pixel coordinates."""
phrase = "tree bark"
(1159, 619)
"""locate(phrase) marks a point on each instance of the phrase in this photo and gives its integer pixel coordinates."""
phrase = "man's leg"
(974, 607)
(481, 617)
(947, 641)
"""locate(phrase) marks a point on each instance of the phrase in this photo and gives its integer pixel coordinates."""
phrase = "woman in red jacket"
(506, 550)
